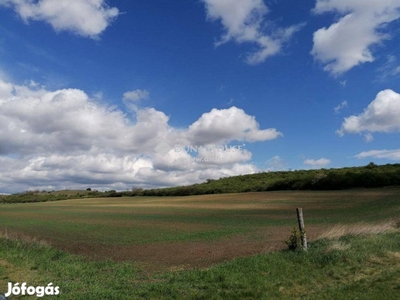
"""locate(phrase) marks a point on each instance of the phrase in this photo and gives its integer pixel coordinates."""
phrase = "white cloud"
(368, 137)
(38, 121)
(65, 139)
(390, 68)
(201, 158)
(136, 95)
(223, 155)
(276, 163)
(133, 98)
(228, 125)
(342, 105)
(386, 154)
(347, 43)
(5, 89)
(322, 162)
(381, 115)
(87, 18)
(243, 21)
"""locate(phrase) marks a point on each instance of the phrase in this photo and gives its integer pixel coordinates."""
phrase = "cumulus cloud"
(386, 154)
(5, 89)
(228, 125)
(87, 18)
(381, 115)
(65, 139)
(347, 43)
(322, 162)
(38, 121)
(243, 22)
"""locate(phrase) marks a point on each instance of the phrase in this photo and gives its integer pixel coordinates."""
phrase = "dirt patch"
(185, 255)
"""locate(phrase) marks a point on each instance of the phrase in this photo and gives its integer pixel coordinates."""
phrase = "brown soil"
(184, 255)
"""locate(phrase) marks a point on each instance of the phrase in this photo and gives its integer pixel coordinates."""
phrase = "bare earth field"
(194, 231)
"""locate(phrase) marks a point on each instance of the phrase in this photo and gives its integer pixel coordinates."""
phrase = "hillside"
(44, 196)
(368, 176)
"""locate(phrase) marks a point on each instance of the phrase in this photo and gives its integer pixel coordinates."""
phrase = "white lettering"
(39, 291)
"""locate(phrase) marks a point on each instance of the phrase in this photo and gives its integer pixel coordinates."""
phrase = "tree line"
(369, 176)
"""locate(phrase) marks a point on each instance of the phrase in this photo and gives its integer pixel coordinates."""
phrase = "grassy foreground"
(357, 266)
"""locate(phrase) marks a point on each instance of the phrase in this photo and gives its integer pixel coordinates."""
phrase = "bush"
(294, 240)
(114, 194)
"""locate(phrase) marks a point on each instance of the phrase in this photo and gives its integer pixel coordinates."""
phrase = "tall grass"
(21, 239)
(358, 229)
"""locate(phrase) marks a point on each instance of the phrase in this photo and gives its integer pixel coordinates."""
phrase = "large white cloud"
(243, 22)
(347, 43)
(227, 125)
(65, 120)
(386, 154)
(381, 115)
(84, 17)
(64, 139)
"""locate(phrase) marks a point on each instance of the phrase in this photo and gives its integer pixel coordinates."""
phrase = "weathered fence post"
(303, 237)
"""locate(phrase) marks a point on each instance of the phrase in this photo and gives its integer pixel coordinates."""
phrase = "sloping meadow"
(193, 231)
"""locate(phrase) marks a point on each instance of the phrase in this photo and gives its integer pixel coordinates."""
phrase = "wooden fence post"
(303, 237)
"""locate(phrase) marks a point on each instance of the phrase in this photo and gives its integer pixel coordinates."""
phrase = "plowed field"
(195, 231)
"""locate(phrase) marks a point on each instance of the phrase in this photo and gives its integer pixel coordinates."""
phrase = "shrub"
(293, 241)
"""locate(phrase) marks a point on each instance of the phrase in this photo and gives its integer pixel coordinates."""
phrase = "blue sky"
(116, 94)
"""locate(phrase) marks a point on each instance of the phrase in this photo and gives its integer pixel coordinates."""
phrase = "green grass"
(367, 268)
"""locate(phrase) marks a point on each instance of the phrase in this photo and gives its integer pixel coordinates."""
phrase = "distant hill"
(43, 196)
(369, 176)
